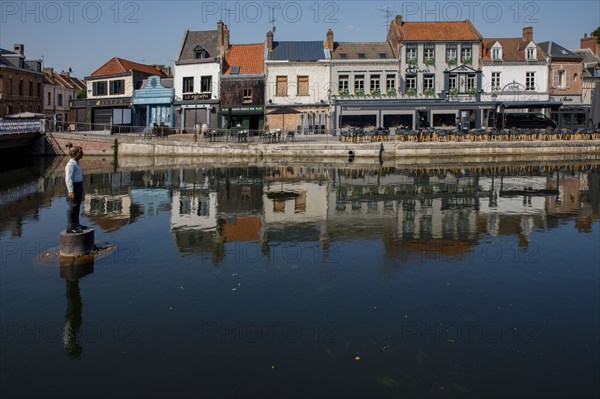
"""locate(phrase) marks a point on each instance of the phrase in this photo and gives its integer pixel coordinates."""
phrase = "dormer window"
(530, 53)
(200, 53)
(496, 53)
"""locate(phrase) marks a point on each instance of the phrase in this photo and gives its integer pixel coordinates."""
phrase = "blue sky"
(82, 35)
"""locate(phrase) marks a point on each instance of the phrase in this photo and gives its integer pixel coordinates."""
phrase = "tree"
(597, 33)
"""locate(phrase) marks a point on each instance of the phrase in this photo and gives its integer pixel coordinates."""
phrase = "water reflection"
(72, 271)
(408, 210)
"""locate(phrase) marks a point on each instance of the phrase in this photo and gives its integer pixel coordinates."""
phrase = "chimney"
(330, 39)
(591, 42)
(220, 34)
(225, 38)
(398, 20)
(527, 34)
(49, 71)
(270, 41)
(19, 49)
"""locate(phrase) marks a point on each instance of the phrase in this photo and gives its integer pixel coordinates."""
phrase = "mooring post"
(76, 244)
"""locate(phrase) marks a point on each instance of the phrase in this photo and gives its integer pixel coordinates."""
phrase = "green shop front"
(249, 117)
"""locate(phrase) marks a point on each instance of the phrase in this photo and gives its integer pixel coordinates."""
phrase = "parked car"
(527, 120)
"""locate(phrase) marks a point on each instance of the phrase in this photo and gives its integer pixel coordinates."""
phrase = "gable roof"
(297, 51)
(513, 49)
(119, 65)
(371, 50)
(435, 31)
(248, 57)
(589, 58)
(556, 51)
(206, 39)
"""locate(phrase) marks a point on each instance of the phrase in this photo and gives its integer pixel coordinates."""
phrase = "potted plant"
(411, 92)
(375, 92)
(344, 92)
(359, 92)
(452, 92)
(412, 61)
(471, 91)
(467, 60)
(429, 61)
(391, 92)
(429, 92)
(451, 61)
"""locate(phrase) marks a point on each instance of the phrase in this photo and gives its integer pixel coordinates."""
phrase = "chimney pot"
(270, 41)
(330, 39)
(398, 20)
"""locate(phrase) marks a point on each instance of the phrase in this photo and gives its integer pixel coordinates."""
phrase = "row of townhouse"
(423, 74)
(27, 87)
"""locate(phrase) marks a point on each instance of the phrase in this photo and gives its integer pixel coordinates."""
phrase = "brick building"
(21, 82)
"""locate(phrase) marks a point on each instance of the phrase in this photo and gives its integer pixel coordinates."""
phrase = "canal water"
(282, 279)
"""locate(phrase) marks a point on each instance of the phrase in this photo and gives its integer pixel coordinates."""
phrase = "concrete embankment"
(320, 147)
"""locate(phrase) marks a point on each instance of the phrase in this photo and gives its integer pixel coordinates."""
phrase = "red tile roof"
(513, 49)
(436, 31)
(119, 65)
(249, 57)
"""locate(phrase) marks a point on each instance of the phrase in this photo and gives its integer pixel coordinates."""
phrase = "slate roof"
(588, 56)
(371, 50)
(10, 59)
(436, 31)
(556, 51)
(194, 38)
(297, 51)
(513, 49)
(119, 65)
(248, 57)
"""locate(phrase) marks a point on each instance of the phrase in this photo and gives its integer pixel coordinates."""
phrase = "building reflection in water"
(445, 210)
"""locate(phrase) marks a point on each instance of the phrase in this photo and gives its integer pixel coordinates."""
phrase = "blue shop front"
(153, 102)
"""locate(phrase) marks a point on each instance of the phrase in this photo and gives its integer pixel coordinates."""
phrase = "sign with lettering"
(415, 70)
(197, 96)
(111, 102)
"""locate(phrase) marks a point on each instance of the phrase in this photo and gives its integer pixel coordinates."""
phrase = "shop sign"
(197, 96)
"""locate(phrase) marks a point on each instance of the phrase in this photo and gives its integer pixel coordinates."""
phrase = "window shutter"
(567, 80)
(555, 81)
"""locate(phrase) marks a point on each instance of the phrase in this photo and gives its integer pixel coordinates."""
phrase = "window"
(205, 84)
(471, 82)
(375, 83)
(117, 86)
(429, 53)
(390, 83)
(411, 52)
(530, 81)
(247, 95)
(303, 86)
(428, 82)
(495, 81)
(21, 87)
(39, 88)
(188, 84)
(59, 99)
(10, 86)
(31, 88)
(359, 84)
(411, 82)
(497, 54)
(361, 56)
(531, 53)
(466, 54)
(49, 98)
(99, 88)
(561, 79)
(451, 52)
(383, 56)
(343, 84)
(282, 86)
(343, 56)
(453, 82)
(201, 53)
